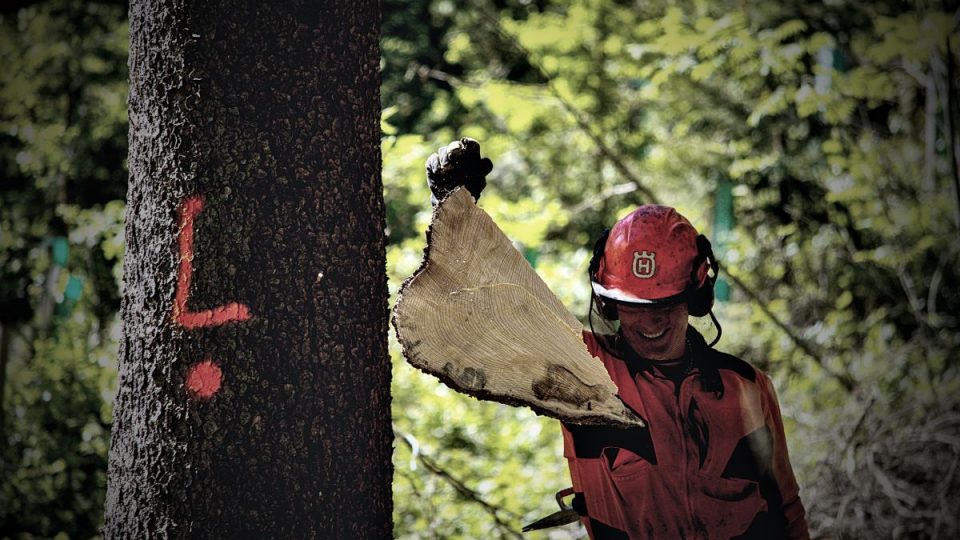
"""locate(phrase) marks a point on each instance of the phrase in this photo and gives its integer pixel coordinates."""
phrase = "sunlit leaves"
(771, 103)
(909, 36)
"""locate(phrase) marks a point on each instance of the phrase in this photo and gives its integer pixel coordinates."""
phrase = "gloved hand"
(457, 164)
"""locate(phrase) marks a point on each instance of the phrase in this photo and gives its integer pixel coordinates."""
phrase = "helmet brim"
(622, 297)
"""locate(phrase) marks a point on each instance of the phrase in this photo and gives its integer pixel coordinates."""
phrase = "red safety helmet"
(653, 256)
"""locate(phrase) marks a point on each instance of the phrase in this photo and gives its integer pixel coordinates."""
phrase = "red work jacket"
(710, 464)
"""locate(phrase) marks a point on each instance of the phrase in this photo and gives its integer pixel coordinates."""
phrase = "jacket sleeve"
(569, 452)
(792, 506)
(578, 503)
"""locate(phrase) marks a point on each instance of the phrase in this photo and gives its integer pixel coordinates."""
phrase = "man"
(712, 461)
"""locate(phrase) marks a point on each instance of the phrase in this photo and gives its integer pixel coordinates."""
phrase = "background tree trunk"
(254, 375)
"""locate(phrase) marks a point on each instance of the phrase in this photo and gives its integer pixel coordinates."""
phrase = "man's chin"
(649, 349)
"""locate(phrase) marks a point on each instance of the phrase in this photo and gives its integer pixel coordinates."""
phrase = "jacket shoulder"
(592, 342)
(729, 362)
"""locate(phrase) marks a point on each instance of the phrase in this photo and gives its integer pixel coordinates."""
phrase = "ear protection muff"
(606, 308)
(700, 300)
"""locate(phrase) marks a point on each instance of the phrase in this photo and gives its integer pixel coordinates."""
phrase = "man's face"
(655, 333)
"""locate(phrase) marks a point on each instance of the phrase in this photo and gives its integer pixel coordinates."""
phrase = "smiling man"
(712, 461)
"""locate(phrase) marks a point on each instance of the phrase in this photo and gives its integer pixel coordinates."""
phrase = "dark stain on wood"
(562, 385)
(470, 378)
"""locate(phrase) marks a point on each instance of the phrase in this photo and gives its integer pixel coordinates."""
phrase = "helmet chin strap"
(719, 329)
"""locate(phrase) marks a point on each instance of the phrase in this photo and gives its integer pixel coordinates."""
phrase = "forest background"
(815, 143)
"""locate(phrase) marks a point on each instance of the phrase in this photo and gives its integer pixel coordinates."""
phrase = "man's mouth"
(652, 336)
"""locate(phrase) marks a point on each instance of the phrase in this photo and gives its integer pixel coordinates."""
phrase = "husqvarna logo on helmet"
(644, 264)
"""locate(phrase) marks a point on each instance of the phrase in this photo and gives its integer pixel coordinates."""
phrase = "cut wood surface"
(477, 316)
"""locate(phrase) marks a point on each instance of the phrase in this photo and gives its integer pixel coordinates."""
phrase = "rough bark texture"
(254, 375)
(478, 317)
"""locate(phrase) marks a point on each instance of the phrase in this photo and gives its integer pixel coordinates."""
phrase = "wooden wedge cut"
(479, 318)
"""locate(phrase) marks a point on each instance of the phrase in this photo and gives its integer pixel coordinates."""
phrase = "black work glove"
(457, 164)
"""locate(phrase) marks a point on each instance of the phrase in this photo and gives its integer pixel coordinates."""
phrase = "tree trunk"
(5, 339)
(254, 375)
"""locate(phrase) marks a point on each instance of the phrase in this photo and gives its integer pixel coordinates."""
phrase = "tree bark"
(254, 375)
(5, 339)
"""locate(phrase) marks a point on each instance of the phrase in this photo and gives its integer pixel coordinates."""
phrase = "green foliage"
(63, 145)
(57, 432)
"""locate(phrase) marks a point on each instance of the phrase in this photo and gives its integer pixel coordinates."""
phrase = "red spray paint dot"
(203, 379)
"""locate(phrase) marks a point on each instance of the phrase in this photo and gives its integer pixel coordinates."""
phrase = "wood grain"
(477, 316)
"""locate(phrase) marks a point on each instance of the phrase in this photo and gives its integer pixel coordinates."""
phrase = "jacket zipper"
(683, 439)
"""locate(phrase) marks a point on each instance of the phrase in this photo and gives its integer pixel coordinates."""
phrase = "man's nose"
(653, 316)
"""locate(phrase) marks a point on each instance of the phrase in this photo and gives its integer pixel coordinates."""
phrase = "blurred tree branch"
(580, 117)
(458, 485)
(845, 380)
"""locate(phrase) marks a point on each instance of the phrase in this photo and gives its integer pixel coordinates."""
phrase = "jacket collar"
(694, 353)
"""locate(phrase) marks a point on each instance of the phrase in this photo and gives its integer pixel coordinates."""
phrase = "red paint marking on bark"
(231, 312)
(204, 379)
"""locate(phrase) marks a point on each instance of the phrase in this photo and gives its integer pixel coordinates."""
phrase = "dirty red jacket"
(710, 464)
